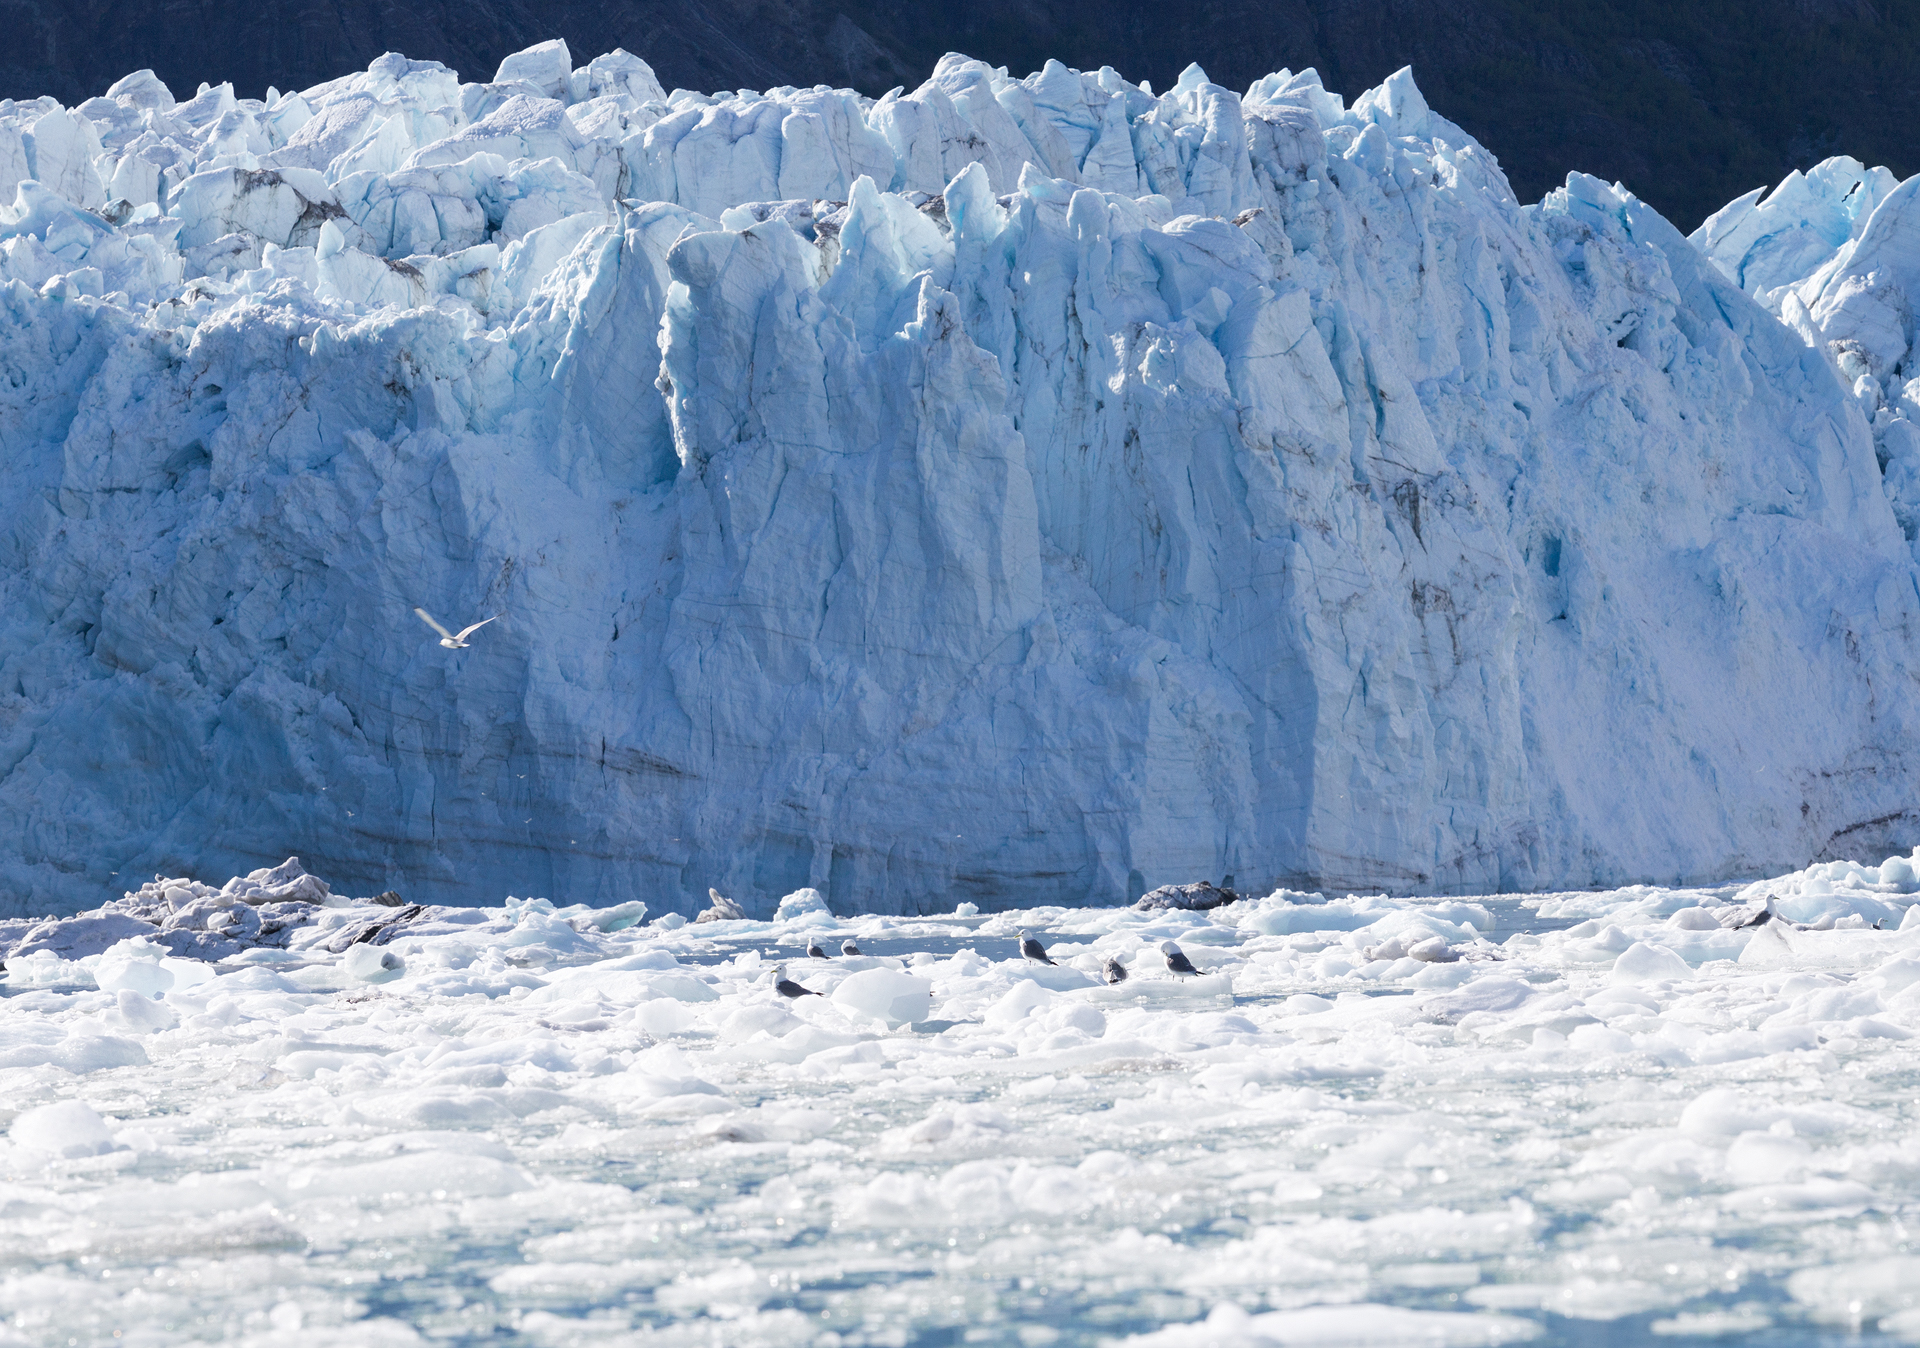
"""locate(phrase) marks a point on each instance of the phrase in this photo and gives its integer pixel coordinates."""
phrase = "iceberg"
(1012, 491)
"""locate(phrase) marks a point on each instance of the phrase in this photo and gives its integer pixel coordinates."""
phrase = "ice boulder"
(619, 917)
(286, 883)
(1192, 897)
(144, 1014)
(77, 937)
(886, 995)
(1644, 963)
(141, 966)
(373, 964)
(1695, 918)
(1019, 1002)
(721, 909)
(70, 1129)
(802, 903)
(1897, 874)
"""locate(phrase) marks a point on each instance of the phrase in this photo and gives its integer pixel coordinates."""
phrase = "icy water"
(1610, 1120)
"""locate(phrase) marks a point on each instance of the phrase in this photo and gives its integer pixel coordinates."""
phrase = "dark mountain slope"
(1689, 103)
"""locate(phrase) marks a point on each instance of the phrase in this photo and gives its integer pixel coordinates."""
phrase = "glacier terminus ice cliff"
(1014, 490)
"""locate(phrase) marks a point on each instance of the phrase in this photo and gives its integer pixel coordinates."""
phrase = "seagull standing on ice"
(1033, 950)
(1176, 961)
(1116, 972)
(847, 947)
(814, 952)
(453, 641)
(786, 987)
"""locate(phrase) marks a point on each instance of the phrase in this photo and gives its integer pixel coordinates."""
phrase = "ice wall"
(1017, 491)
(1835, 252)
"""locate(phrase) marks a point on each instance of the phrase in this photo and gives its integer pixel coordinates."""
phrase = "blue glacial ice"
(1012, 491)
(1835, 252)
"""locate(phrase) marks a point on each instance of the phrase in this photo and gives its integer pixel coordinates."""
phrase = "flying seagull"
(1116, 971)
(1033, 950)
(1176, 961)
(849, 948)
(451, 640)
(814, 952)
(786, 987)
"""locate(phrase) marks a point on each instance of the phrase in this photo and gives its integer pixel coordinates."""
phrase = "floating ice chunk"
(1352, 1326)
(619, 917)
(1196, 897)
(1206, 989)
(1411, 945)
(44, 969)
(286, 883)
(1284, 912)
(75, 938)
(802, 903)
(143, 1014)
(416, 1172)
(1849, 1293)
(1769, 945)
(1019, 1002)
(373, 964)
(886, 995)
(1488, 993)
(966, 909)
(70, 1128)
(721, 909)
(1644, 963)
(141, 966)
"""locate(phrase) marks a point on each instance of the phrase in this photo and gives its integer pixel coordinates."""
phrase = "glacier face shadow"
(1018, 491)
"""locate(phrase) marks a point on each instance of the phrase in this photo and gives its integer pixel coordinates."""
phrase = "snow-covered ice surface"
(1586, 1118)
(1015, 490)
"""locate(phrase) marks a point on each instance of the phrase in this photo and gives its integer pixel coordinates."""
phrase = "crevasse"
(1019, 491)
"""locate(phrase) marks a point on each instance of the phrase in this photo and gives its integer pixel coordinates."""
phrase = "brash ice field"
(1615, 1118)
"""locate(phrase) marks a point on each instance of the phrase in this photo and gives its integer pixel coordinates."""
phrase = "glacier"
(1016, 491)
(1835, 254)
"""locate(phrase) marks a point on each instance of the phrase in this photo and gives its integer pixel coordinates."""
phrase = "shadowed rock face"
(1688, 105)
